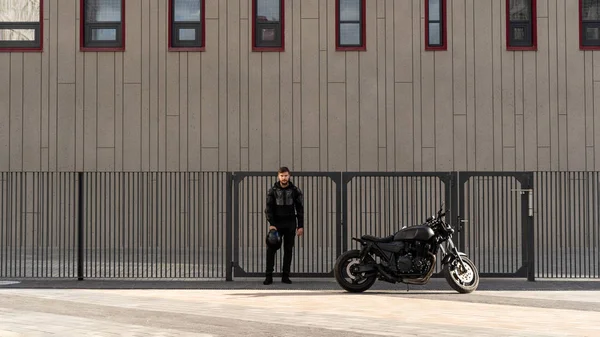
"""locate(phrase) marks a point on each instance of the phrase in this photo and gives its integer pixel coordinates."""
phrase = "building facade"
(390, 85)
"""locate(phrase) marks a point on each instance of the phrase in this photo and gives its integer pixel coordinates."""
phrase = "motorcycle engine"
(412, 261)
(404, 263)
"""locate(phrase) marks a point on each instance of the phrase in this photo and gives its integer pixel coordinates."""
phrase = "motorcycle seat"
(376, 239)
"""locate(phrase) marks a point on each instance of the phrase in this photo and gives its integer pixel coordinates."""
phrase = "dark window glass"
(103, 23)
(350, 25)
(435, 37)
(186, 21)
(520, 22)
(20, 24)
(267, 20)
(590, 25)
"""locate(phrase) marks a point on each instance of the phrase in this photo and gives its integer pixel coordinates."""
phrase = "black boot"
(268, 280)
(286, 279)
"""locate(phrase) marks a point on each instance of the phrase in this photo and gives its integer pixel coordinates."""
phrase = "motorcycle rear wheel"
(347, 278)
(463, 280)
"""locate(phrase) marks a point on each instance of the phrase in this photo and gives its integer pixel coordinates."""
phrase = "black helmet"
(273, 239)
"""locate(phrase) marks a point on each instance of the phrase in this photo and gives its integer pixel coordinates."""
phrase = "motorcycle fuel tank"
(420, 233)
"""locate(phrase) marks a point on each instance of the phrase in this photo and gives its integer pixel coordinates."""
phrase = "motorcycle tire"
(341, 270)
(463, 281)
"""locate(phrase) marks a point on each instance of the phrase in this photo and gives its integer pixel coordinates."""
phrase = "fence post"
(530, 231)
(80, 223)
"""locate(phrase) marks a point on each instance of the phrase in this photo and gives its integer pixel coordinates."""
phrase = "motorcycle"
(408, 256)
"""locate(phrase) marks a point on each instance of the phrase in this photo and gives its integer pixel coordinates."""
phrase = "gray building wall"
(393, 107)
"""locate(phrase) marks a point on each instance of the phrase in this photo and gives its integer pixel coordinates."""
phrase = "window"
(267, 32)
(102, 25)
(589, 32)
(21, 25)
(521, 25)
(350, 25)
(186, 25)
(435, 25)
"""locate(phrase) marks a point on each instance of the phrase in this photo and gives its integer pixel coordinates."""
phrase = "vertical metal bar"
(187, 214)
(341, 204)
(531, 244)
(12, 209)
(205, 220)
(110, 208)
(488, 226)
(136, 246)
(239, 208)
(564, 215)
(60, 224)
(174, 207)
(596, 221)
(124, 232)
(216, 231)
(69, 222)
(229, 230)
(24, 225)
(170, 225)
(573, 227)
(581, 230)
(497, 193)
(127, 251)
(35, 248)
(195, 221)
(551, 215)
(587, 235)
(242, 223)
(342, 207)
(3, 226)
(159, 228)
(4, 201)
(80, 222)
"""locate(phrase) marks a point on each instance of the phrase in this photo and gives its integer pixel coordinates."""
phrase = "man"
(285, 213)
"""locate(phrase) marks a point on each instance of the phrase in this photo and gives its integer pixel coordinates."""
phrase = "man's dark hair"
(283, 169)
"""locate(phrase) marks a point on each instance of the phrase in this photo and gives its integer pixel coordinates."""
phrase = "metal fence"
(38, 228)
(192, 225)
(567, 224)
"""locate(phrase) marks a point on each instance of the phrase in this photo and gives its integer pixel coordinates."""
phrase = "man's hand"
(272, 227)
(300, 231)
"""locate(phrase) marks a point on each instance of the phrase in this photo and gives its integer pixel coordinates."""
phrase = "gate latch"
(530, 198)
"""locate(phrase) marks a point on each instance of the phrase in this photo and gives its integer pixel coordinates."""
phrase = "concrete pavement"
(306, 308)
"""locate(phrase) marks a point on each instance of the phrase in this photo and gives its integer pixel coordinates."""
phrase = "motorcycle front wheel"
(464, 280)
(346, 275)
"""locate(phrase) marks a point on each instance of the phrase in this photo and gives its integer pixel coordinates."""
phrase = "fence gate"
(498, 236)
(315, 252)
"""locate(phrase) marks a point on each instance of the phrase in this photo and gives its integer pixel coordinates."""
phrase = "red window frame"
(281, 25)
(202, 46)
(363, 27)
(82, 46)
(581, 45)
(533, 28)
(444, 45)
(41, 37)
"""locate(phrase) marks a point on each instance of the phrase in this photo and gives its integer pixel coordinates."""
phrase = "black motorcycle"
(408, 256)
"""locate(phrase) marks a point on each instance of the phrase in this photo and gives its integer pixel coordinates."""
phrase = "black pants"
(288, 234)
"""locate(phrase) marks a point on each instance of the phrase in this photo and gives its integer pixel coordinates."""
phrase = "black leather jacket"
(285, 205)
